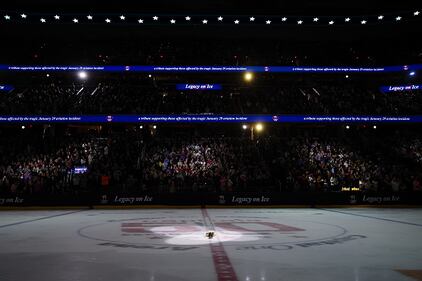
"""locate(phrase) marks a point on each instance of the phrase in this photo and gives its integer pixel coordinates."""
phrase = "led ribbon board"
(198, 87)
(402, 88)
(80, 170)
(209, 119)
(6, 88)
(170, 69)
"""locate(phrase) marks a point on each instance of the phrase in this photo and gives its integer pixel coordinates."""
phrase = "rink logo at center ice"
(245, 232)
(249, 226)
(183, 233)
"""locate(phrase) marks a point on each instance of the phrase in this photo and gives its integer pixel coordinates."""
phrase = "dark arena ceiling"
(302, 7)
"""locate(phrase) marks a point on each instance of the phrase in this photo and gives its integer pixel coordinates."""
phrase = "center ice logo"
(178, 233)
(176, 227)
(161, 231)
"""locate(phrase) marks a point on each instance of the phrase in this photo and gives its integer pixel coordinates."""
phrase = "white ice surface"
(170, 245)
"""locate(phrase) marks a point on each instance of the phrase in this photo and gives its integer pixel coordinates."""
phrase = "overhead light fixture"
(252, 19)
(82, 75)
(259, 127)
(248, 76)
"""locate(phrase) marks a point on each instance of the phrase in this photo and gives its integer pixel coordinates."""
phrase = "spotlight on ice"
(244, 126)
(194, 235)
(248, 76)
(412, 73)
(82, 75)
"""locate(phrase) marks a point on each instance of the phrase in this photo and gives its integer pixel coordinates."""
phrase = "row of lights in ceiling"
(205, 21)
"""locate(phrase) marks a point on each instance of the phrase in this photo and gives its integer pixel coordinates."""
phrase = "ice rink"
(249, 245)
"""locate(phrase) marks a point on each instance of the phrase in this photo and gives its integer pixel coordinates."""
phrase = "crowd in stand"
(129, 98)
(205, 164)
(411, 149)
(330, 165)
(122, 164)
(207, 51)
(30, 169)
(127, 163)
(54, 98)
